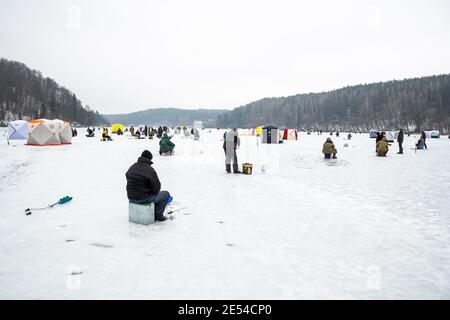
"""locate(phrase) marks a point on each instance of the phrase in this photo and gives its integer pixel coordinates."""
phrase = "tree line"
(26, 94)
(168, 117)
(413, 104)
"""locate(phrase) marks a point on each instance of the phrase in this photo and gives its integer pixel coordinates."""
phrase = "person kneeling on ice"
(422, 142)
(90, 133)
(144, 187)
(329, 149)
(382, 147)
(165, 145)
(105, 135)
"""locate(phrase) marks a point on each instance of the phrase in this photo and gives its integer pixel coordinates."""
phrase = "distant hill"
(167, 117)
(415, 104)
(26, 94)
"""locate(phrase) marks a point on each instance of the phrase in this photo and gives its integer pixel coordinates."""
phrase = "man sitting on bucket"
(144, 187)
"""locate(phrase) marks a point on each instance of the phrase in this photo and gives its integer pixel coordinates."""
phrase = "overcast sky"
(122, 56)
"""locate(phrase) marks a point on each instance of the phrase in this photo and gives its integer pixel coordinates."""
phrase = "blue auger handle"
(62, 201)
(65, 200)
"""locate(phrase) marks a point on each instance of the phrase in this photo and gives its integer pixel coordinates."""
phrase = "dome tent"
(390, 137)
(116, 127)
(18, 130)
(434, 134)
(373, 134)
(65, 133)
(290, 134)
(45, 132)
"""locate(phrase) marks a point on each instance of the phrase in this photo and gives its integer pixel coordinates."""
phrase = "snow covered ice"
(359, 227)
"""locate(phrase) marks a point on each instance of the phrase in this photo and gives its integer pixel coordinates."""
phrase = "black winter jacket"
(400, 137)
(142, 180)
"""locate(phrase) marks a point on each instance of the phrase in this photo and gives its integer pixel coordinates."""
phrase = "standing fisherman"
(400, 141)
(230, 144)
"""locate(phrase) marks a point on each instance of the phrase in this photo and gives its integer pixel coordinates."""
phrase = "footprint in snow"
(101, 245)
(70, 240)
(230, 244)
(221, 222)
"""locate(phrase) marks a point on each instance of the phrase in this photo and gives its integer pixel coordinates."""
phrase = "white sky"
(121, 56)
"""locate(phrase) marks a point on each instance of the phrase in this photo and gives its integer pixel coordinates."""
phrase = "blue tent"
(18, 130)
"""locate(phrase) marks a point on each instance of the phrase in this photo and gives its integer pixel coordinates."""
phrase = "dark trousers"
(160, 202)
(400, 147)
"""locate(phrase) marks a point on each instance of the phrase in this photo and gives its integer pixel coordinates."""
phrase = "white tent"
(198, 125)
(45, 132)
(65, 133)
(433, 134)
(17, 130)
(244, 132)
(373, 134)
(390, 136)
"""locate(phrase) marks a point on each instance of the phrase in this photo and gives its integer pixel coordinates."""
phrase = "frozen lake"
(359, 227)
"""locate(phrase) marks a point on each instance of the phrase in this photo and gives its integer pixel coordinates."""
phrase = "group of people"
(382, 145)
(150, 132)
(144, 187)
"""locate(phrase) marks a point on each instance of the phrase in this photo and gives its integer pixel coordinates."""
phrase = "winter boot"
(236, 168)
(228, 168)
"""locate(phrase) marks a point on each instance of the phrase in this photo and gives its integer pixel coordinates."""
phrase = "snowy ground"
(359, 227)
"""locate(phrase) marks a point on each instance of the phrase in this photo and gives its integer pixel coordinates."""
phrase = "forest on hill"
(26, 94)
(413, 104)
(168, 117)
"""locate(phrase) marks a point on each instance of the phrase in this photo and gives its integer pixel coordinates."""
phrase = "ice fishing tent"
(45, 132)
(18, 130)
(270, 135)
(244, 132)
(435, 134)
(373, 134)
(258, 131)
(65, 132)
(198, 125)
(116, 127)
(390, 136)
(290, 134)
